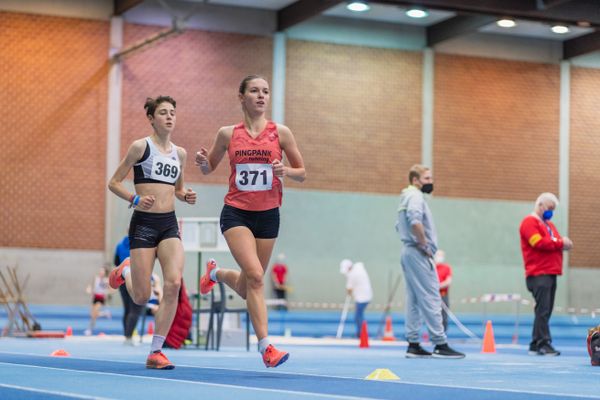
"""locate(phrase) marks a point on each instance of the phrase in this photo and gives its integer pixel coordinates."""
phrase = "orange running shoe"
(158, 361)
(115, 278)
(206, 284)
(273, 357)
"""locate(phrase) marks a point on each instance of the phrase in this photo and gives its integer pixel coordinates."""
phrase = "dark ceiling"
(470, 16)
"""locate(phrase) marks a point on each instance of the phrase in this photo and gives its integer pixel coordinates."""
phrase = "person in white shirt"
(358, 285)
(99, 292)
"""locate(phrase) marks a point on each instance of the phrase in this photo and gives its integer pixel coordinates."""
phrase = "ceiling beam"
(302, 10)
(581, 45)
(473, 6)
(546, 4)
(566, 11)
(120, 6)
(456, 26)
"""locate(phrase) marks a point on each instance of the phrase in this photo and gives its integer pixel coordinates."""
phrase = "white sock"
(263, 344)
(125, 272)
(157, 343)
(213, 275)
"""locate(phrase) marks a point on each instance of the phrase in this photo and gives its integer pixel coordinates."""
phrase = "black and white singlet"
(157, 167)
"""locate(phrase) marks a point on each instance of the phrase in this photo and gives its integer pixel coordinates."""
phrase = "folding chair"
(218, 309)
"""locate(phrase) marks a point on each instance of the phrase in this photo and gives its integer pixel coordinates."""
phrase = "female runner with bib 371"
(250, 216)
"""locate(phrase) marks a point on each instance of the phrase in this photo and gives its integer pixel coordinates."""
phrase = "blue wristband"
(135, 201)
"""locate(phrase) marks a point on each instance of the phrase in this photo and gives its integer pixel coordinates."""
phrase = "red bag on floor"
(593, 345)
(182, 322)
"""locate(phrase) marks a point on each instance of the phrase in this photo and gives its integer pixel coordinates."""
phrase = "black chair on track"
(218, 309)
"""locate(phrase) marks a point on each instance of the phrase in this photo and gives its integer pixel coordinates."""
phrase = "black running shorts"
(147, 230)
(262, 224)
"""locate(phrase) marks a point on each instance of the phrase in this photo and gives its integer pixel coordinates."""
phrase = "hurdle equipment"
(489, 344)
(491, 298)
(44, 335)
(20, 320)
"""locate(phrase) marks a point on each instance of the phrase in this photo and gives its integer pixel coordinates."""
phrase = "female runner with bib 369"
(250, 216)
(154, 232)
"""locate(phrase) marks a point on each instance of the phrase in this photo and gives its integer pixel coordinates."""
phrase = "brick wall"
(496, 128)
(355, 111)
(584, 167)
(356, 114)
(53, 79)
(202, 72)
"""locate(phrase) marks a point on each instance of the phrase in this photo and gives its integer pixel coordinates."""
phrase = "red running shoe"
(115, 278)
(206, 284)
(273, 357)
(158, 361)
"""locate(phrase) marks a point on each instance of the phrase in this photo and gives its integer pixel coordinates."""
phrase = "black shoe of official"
(416, 351)
(445, 351)
(547, 350)
(533, 348)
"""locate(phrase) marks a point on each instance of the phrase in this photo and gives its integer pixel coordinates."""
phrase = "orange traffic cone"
(69, 331)
(150, 328)
(364, 335)
(489, 344)
(388, 333)
(60, 353)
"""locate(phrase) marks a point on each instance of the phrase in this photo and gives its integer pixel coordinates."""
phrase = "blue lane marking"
(281, 380)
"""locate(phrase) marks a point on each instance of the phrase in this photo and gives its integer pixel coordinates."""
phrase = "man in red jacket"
(542, 248)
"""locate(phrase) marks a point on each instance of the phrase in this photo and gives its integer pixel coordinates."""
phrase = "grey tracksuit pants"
(423, 301)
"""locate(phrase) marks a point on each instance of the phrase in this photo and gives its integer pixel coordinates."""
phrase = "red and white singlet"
(252, 185)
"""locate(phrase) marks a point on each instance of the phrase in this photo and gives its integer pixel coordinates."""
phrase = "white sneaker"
(87, 332)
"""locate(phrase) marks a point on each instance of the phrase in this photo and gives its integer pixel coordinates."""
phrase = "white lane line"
(220, 385)
(553, 394)
(54, 392)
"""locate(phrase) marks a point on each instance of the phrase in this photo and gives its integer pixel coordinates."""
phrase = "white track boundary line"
(55, 392)
(221, 385)
(328, 376)
(395, 382)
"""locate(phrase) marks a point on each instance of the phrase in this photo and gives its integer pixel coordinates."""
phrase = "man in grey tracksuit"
(417, 232)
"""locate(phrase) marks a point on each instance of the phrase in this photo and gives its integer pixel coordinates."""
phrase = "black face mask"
(427, 188)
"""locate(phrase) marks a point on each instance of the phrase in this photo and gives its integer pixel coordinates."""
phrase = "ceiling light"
(416, 12)
(560, 29)
(506, 23)
(358, 6)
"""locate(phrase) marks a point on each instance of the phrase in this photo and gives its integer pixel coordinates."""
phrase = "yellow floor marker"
(382, 374)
